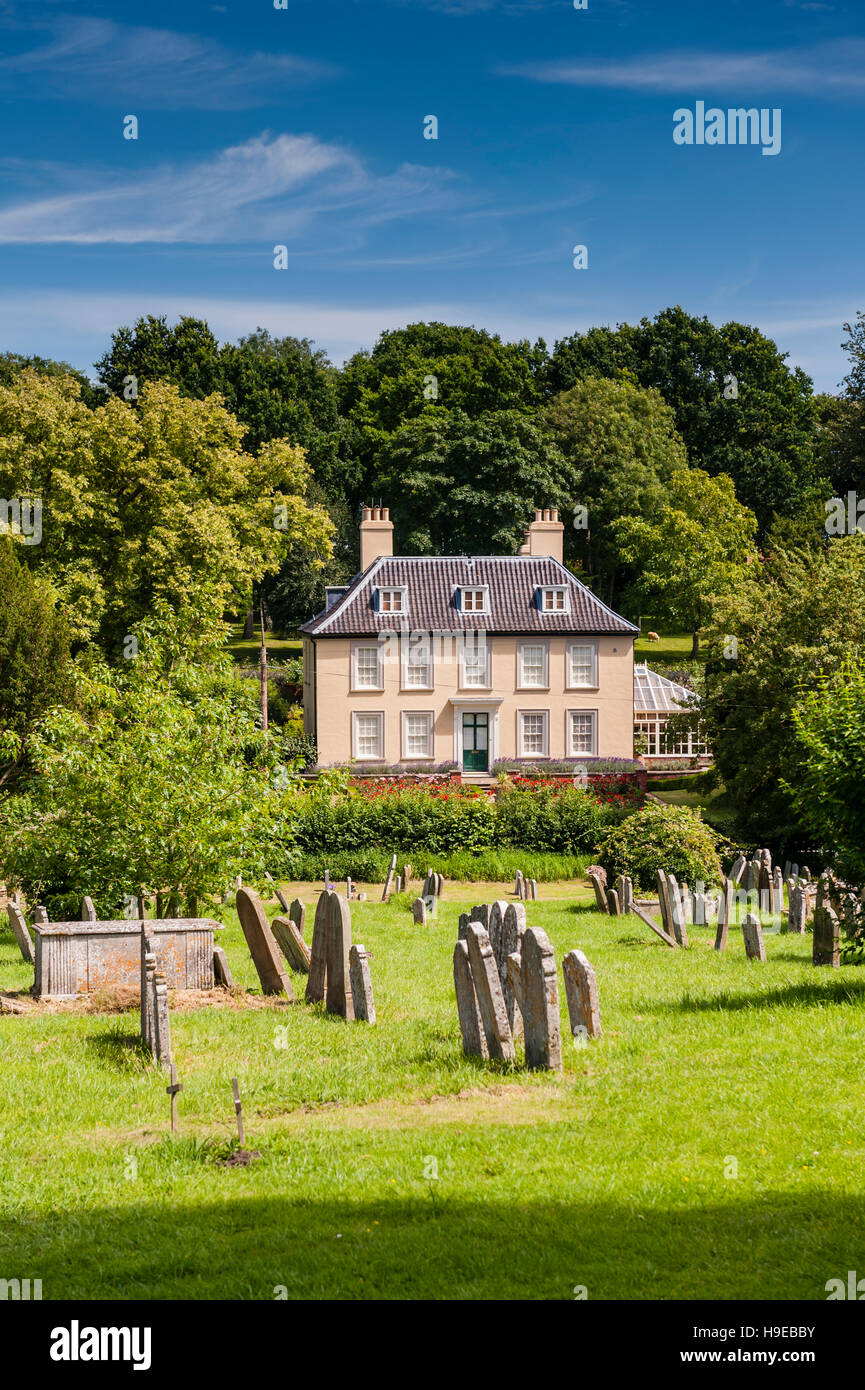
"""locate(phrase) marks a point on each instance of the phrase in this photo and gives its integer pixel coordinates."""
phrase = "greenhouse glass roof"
(655, 694)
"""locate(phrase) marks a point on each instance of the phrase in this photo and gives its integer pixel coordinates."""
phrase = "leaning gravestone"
(665, 904)
(471, 1025)
(753, 934)
(338, 997)
(677, 911)
(262, 947)
(297, 913)
(581, 989)
(221, 969)
(488, 988)
(505, 931)
(738, 869)
(88, 911)
(361, 984)
(600, 891)
(280, 896)
(386, 891)
(533, 980)
(22, 935)
(317, 982)
(291, 943)
(418, 912)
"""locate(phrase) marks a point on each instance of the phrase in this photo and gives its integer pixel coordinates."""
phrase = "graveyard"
(693, 1130)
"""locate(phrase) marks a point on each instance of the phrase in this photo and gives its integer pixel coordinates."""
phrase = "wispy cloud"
(834, 68)
(269, 187)
(101, 60)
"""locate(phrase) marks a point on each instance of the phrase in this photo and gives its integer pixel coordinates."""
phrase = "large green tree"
(738, 407)
(621, 449)
(151, 500)
(694, 550)
(794, 618)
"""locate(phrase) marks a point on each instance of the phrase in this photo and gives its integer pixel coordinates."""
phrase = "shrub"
(563, 820)
(674, 838)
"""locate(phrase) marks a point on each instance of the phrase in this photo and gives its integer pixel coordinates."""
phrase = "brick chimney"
(376, 535)
(545, 535)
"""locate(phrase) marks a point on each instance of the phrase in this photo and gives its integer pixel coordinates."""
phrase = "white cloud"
(268, 188)
(98, 59)
(827, 69)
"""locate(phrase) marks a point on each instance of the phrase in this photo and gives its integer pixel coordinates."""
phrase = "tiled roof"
(432, 582)
(654, 693)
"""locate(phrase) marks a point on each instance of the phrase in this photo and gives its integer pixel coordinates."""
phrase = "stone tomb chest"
(80, 957)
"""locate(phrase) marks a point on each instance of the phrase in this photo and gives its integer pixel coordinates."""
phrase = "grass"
(246, 652)
(672, 647)
(394, 1167)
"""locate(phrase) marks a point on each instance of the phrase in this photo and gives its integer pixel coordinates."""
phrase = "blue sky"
(304, 127)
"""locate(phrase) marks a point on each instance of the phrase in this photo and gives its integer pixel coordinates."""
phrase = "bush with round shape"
(673, 838)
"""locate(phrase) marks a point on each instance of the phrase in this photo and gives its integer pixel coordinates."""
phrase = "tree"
(35, 662)
(468, 486)
(160, 780)
(150, 500)
(794, 618)
(829, 727)
(696, 549)
(739, 408)
(621, 450)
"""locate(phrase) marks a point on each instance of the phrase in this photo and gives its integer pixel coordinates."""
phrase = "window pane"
(367, 666)
(533, 666)
(367, 732)
(474, 664)
(582, 665)
(582, 730)
(417, 735)
(533, 733)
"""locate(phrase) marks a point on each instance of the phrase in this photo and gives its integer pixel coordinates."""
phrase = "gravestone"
(488, 988)
(280, 896)
(221, 969)
(22, 935)
(361, 985)
(626, 894)
(338, 998)
(262, 947)
(40, 916)
(418, 912)
(518, 883)
(738, 869)
(291, 943)
(753, 934)
(297, 913)
(797, 902)
(600, 891)
(533, 980)
(80, 957)
(777, 892)
(88, 911)
(161, 1029)
(725, 913)
(148, 969)
(317, 982)
(677, 912)
(481, 913)
(506, 925)
(665, 904)
(614, 907)
(827, 935)
(766, 888)
(348, 889)
(581, 990)
(685, 900)
(806, 874)
(406, 875)
(533, 883)
(386, 891)
(468, 1010)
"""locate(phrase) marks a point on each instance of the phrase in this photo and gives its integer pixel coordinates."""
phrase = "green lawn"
(672, 647)
(247, 652)
(616, 1175)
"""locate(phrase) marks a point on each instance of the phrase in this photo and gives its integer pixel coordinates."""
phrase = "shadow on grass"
(432, 1244)
(805, 995)
(119, 1049)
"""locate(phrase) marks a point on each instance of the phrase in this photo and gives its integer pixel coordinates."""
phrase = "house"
(433, 659)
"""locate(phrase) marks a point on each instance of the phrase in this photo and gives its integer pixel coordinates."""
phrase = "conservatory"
(656, 699)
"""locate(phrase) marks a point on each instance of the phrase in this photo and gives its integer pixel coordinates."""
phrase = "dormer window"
(393, 600)
(554, 598)
(473, 600)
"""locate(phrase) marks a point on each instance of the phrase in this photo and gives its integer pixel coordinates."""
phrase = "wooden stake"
(172, 1091)
(263, 664)
(238, 1110)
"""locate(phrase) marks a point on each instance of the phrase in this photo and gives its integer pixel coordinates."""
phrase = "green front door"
(476, 746)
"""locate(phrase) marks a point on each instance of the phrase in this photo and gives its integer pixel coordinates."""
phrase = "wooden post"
(263, 663)
(172, 1091)
(238, 1110)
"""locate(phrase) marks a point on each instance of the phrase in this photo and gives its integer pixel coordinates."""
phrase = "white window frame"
(378, 715)
(554, 589)
(429, 715)
(545, 648)
(400, 589)
(406, 648)
(482, 589)
(356, 648)
(569, 682)
(488, 652)
(569, 734)
(544, 714)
